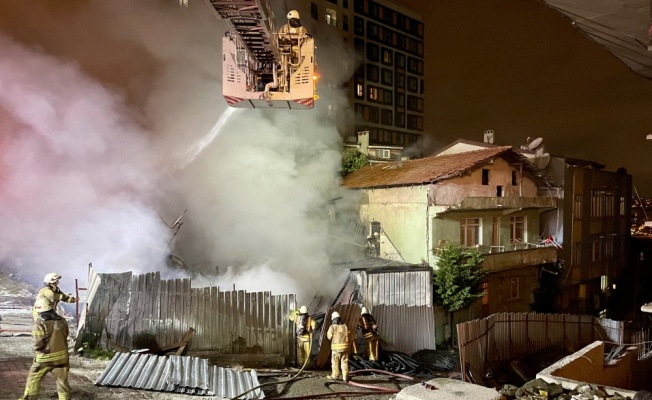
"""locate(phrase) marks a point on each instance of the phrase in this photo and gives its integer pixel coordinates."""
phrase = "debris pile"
(538, 389)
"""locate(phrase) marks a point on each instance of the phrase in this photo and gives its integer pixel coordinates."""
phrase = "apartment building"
(385, 89)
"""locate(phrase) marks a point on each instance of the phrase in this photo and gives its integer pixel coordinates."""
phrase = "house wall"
(587, 366)
(402, 212)
(453, 191)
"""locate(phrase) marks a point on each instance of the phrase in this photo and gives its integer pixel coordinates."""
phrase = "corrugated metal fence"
(136, 311)
(512, 335)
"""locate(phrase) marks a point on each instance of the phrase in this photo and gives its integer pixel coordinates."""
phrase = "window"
(499, 191)
(314, 11)
(485, 176)
(399, 120)
(372, 31)
(415, 122)
(412, 84)
(331, 17)
(400, 60)
(358, 26)
(359, 90)
(384, 153)
(345, 23)
(400, 100)
(332, 1)
(469, 232)
(415, 103)
(400, 81)
(576, 254)
(372, 52)
(386, 77)
(514, 289)
(386, 117)
(514, 178)
(386, 56)
(622, 206)
(372, 73)
(345, 4)
(577, 207)
(517, 229)
(373, 94)
(596, 247)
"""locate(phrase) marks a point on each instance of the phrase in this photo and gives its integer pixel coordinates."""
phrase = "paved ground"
(16, 358)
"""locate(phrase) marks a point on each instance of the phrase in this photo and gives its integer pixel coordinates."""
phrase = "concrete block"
(448, 389)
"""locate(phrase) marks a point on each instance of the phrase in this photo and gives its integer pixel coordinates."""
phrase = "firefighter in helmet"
(50, 336)
(304, 325)
(338, 334)
(49, 296)
(367, 325)
(291, 35)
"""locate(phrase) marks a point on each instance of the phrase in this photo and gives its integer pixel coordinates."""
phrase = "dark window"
(400, 100)
(332, 1)
(358, 44)
(386, 117)
(400, 81)
(399, 120)
(499, 191)
(415, 122)
(386, 77)
(412, 84)
(345, 4)
(372, 52)
(485, 176)
(373, 114)
(514, 179)
(372, 31)
(358, 26)
(372, 73)
(314, 11)
(415, 103)
(400, 60)
(345, 23)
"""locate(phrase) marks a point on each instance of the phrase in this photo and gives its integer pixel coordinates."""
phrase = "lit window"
(373, 93)
(358, 90)
(331, 17)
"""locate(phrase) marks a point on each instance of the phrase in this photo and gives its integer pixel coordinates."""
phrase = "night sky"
(519, 67)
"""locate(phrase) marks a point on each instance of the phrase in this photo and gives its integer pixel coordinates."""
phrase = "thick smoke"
(97, 151)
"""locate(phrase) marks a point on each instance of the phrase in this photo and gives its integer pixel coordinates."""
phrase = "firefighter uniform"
(367, 325)
(48, 298)
(50, 335)
(338, 334)
(304, 325)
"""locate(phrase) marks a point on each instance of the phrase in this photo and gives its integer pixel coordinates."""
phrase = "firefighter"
(367, 325)
(305, 325)
(50, 336)
(291, 34)
(338, 334)
(49, 296)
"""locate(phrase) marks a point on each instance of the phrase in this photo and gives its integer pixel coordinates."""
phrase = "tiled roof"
(424, 170)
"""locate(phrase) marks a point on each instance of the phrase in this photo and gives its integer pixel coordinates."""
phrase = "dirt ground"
(16, 357)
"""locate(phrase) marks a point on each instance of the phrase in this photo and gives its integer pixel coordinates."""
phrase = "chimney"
(363, 142)
(489, 136)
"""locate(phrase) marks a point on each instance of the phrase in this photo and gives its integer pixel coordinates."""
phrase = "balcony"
(509, 204)
(518, 255)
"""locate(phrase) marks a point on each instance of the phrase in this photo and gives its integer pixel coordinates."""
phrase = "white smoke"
(107, 153)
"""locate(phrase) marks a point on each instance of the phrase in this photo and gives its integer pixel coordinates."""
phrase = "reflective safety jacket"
(48, 298)
(50, 335)
(367, 325)
(338, 334)
(305, 325)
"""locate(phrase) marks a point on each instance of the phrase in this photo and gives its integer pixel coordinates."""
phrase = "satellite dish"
(543, 161)
(535, 143)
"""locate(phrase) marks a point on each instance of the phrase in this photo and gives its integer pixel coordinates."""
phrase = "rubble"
(539, 389)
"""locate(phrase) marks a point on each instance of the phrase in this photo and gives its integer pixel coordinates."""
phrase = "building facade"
(486, 199)
(385, 89)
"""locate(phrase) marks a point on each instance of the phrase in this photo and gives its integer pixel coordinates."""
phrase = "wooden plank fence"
(143, 311)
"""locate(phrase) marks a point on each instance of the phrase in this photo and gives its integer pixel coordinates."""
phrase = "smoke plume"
(106, 135)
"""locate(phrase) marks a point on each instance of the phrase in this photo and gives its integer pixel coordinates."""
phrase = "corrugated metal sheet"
(190, 375)
(505, 336)
(136, 311)
(350, 314)
(406, 328)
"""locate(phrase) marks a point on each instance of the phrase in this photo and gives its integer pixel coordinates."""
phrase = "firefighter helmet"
(364, 311)
(293, 14)
(303, 310)
(334, 315)
(52, 277)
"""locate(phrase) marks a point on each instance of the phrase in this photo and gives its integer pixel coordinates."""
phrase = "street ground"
(16, 357)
